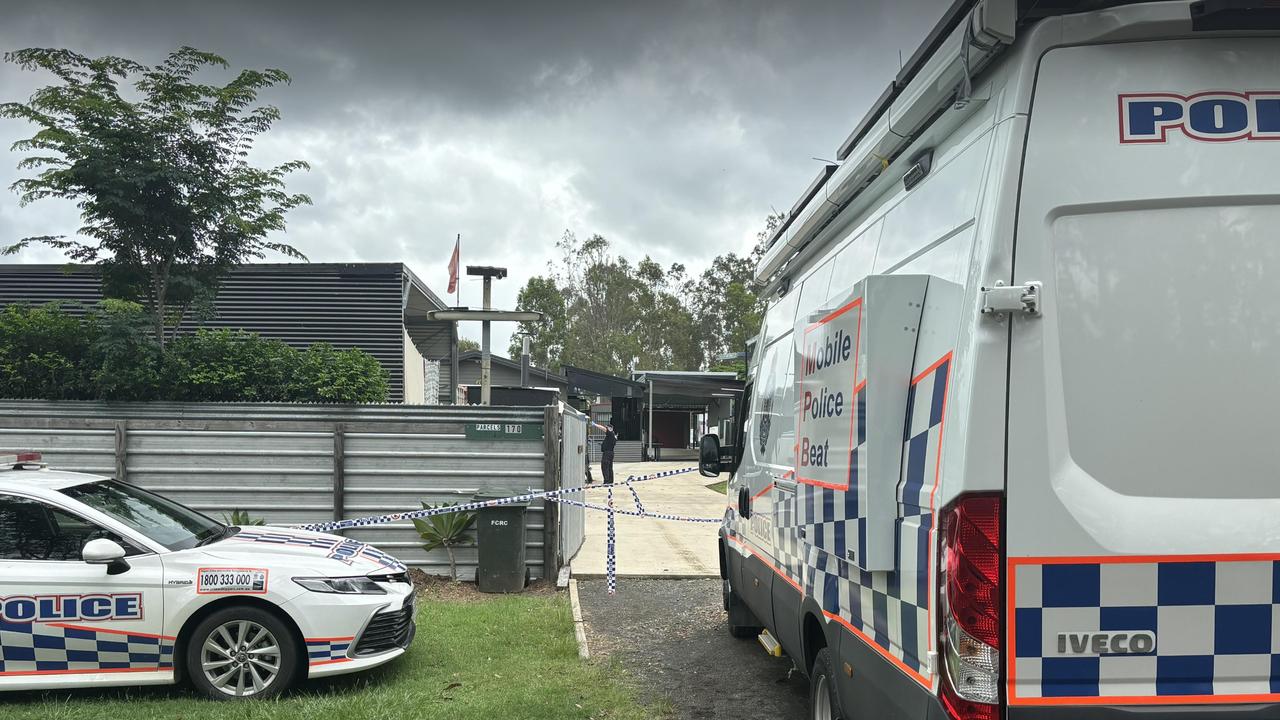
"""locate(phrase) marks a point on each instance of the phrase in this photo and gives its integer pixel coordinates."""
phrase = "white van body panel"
(1142, 492)
(1127, 426)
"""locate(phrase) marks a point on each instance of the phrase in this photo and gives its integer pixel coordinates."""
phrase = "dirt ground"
(433, 587)
(669, 637)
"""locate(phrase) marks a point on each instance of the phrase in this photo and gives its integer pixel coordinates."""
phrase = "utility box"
(500, 537)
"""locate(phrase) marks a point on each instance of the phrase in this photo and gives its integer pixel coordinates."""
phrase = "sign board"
(852, 381)
(504, 431)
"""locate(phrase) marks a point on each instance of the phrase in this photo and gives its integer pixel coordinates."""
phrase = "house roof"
(534, 371)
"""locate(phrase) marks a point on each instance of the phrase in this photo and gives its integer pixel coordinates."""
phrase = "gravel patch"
(669, 637)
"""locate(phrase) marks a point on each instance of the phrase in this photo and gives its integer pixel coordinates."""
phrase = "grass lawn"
(719, 488)
(498, 657)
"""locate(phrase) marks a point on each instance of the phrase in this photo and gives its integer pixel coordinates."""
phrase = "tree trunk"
(453, 565)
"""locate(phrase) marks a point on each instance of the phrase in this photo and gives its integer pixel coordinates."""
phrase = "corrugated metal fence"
(309, 463)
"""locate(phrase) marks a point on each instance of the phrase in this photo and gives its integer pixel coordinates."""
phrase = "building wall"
(345, 305)
(415, 376)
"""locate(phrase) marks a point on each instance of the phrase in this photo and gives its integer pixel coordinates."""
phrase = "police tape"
(552, 495)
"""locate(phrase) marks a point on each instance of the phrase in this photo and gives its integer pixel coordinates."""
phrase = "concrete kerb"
(579, 629)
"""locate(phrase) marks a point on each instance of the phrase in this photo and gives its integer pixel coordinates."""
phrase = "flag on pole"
(453, 265)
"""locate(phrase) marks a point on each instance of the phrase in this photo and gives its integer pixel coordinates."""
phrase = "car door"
(62, 616)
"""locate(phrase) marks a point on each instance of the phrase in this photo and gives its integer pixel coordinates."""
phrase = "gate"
(573, 472)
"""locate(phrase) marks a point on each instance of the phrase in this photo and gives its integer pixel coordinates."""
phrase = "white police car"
(104, 583)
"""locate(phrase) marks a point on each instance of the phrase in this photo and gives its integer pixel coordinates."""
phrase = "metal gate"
(573, 473)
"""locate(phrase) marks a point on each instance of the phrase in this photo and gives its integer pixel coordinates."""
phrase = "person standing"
(606, 454)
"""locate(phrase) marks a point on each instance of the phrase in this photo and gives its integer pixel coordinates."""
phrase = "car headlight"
(342, 585)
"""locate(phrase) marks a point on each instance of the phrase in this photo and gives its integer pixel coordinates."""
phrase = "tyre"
(824, 702)
(242, 652)
(742, 623)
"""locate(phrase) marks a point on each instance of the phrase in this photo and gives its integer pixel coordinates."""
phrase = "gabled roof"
(475, 355)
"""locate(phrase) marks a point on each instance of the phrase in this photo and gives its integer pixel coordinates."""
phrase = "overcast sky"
(671, 128)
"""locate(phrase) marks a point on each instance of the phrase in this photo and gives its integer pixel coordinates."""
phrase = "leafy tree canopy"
(161, 175)
(606, 313)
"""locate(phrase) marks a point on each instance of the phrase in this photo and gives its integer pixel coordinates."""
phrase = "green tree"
(548, 335)
(467, 344)
(168, 199)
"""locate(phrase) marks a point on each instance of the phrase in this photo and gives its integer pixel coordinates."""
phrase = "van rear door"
(1143, 486)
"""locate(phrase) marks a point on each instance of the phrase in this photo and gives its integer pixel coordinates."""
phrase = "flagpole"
(457, 291)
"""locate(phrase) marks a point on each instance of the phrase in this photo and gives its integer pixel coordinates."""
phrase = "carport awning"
(697, 388)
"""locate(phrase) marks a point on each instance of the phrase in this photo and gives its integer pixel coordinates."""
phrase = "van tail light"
(972, 605)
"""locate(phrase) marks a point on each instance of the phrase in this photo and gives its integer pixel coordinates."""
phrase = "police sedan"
(104, 583)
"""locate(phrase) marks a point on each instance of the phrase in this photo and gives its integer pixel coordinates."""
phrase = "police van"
(103, 583)
(1008, 424)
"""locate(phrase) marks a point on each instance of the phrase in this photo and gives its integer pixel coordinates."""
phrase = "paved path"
(655, 548)
(669, 639)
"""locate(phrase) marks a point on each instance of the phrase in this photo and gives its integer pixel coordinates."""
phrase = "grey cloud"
(670, 127)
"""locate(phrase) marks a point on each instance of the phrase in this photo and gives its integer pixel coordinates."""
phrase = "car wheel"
(241, 652)
(742, 624)
(824, 703)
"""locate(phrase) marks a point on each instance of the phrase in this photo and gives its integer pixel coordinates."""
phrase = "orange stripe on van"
(926, 682)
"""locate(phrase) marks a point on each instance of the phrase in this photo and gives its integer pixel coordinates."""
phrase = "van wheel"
(824, 703)
(742, 624)
(240, 652)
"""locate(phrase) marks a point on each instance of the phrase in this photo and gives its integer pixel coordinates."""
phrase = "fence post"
(551, 481)
(339, 471)
(122, 449)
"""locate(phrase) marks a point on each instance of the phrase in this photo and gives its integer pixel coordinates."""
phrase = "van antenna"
(824, 160)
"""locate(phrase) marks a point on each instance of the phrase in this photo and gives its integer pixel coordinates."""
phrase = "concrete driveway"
(655, 548)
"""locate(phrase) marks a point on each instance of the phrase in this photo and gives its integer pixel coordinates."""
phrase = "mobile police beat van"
(1008, 428)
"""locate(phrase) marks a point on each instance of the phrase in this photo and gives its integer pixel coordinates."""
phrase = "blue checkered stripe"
(327, 649)
(33, 648)
(365, 550)
(890, 608)
(1216, 624)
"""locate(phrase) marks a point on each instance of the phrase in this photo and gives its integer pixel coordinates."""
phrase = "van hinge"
(1024, 299)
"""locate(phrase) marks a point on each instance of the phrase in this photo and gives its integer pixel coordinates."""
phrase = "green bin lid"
(498, 495)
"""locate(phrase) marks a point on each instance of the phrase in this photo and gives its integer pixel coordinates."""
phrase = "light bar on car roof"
(12, 457)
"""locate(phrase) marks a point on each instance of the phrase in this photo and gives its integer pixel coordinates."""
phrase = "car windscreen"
(160, 519)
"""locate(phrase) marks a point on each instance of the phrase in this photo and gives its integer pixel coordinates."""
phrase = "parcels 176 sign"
(827, 392)
(504, 431)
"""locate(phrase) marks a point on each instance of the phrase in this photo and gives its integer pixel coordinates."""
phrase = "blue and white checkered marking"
(1216, 623)
(39, 648)
(323, 650)
(890, 609)
(342, 549)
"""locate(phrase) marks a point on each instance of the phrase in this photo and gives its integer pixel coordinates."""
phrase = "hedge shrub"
(108, 353)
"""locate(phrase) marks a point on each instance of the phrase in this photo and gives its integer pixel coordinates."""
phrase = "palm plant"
(446, 530)
(241, 518)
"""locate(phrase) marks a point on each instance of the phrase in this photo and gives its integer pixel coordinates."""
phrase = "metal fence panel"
(293, 464)
(573, 471)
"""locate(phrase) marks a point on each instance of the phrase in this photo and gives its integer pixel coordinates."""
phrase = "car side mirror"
(103, 551)
(709, 456)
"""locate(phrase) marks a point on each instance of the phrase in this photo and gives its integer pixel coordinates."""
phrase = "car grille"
(400, 577)
(387, 631)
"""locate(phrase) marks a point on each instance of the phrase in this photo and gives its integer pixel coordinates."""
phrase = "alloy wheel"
(240, 658)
